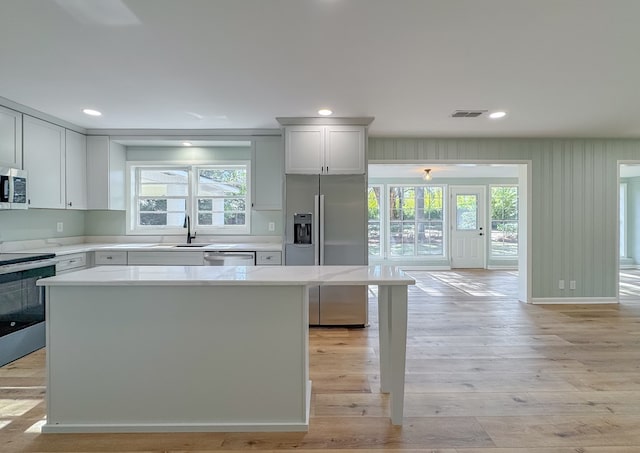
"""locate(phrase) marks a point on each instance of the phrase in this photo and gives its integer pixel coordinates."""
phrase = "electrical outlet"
(560, 284)
(272, 226)
(572, 284)
(60, 227)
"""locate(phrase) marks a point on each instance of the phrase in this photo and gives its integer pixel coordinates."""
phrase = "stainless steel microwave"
(13, 188)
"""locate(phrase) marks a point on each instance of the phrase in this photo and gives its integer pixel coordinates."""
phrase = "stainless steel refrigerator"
(326, 224)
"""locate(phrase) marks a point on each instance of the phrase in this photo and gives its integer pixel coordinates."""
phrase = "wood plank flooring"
(485, 374)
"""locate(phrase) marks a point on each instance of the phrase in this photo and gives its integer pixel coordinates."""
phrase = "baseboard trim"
(573, 300)
(410, 267)
(502, 267)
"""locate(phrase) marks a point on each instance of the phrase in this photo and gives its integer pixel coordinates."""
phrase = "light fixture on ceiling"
(91, 112)
(427, 174)
(187, 144)
(496, 115)
(325, 112)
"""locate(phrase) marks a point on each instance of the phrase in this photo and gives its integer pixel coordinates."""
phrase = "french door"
(468, 226)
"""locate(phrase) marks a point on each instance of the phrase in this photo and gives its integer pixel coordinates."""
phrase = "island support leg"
(392, 317)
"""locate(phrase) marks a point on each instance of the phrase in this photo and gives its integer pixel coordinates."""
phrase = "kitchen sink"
(191, 245)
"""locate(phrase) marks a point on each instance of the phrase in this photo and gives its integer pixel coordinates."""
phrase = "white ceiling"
(559, 67)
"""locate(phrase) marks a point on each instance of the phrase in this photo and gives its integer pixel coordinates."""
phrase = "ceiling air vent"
(467, 113)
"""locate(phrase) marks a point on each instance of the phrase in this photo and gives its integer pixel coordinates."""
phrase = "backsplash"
(22, 225)
(29, 224)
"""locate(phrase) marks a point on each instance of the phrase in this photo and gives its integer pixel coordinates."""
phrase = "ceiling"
(566, 68)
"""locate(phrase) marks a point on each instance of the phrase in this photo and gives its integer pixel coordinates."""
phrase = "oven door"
(22, 312)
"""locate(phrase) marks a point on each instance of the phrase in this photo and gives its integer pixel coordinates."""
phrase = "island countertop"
(200, 348)
(232, 276)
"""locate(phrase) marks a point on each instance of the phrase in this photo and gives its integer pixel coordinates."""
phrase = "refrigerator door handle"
(321, 230)
(316, 227)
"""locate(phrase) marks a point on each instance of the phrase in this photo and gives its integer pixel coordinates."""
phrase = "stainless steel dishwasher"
(229, 258)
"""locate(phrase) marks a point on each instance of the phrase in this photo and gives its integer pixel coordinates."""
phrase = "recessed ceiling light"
(187, 144)
(496, 115)
(325, 112)
(91, 112)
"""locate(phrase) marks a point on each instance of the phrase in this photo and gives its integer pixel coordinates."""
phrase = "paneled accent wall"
(633, 219)
(574, 201)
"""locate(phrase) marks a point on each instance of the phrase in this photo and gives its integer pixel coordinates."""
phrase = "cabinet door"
(44, 151)
(10, 138)
(188, 258)
(76, 170)
(344, 150)
(267, 174)
(304, 149)
(105, 174)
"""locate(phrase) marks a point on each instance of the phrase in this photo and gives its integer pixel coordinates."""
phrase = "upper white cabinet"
(76, 170)
(55, 159)
(106, 164)
(44, 159)
(10, 138)
(325, 150)
(267, 174)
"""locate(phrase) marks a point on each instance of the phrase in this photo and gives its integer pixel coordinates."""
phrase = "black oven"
(22, 303)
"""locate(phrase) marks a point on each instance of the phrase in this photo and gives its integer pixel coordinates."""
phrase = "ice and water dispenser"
(302, 228)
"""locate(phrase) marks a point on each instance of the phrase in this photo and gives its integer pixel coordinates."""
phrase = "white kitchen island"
(191, 348)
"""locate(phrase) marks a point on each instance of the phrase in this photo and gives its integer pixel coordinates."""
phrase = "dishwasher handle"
(229, 258)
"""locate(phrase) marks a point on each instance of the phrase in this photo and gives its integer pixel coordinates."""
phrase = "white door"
(468, 226)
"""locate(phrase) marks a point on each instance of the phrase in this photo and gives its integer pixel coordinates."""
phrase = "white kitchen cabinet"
(76, 170)
(267, 174)
(325, 150)
(186, 258)
(44, 160)
(10, 138)
(73, 262)
(106, 166)
(105, 258)
(268, 258)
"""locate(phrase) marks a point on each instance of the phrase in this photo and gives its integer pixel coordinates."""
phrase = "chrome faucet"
(187, 225)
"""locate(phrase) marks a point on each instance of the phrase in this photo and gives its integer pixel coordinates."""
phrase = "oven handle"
(8, 268)
(42, 295)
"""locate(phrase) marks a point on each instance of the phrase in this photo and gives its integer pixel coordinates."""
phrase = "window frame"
(381, 220)
(444, 221)
(490, 216)
(133, 197)
(622, 219)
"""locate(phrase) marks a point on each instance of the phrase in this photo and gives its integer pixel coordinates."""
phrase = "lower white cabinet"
(268, 258)
(73, 262)
(110, 258)
(166, 258)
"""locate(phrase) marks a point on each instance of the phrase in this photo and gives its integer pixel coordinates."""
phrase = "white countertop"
(61, 250)
(231, 276)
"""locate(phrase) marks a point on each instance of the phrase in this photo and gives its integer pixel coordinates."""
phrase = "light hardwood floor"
(485, 374)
